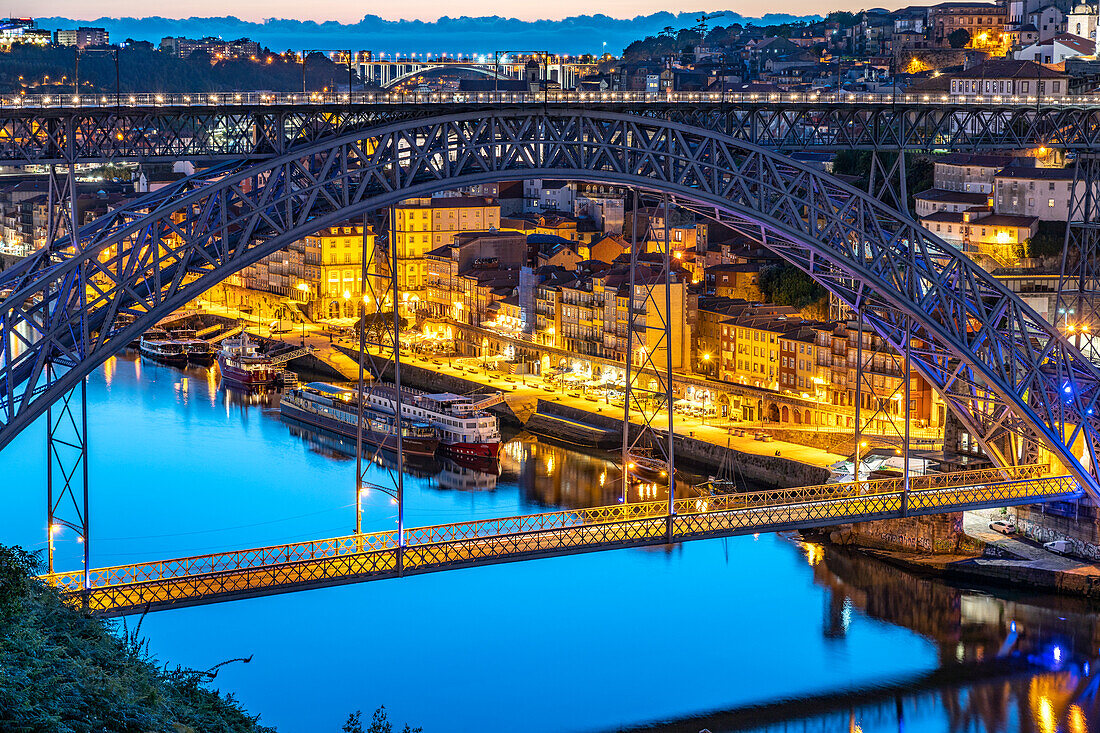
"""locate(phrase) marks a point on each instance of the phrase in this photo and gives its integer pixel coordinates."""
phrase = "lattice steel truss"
(649, 351)
(1012, 379)
(1078, 307)
(223, 127)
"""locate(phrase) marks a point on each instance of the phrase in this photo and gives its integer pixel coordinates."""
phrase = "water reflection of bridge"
(972, 688)
(966, 625)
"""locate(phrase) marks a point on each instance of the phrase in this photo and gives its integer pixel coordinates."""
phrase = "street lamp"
(304, 288)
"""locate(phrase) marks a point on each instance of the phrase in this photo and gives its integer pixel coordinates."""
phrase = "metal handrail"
(254, 98)
(963, 481)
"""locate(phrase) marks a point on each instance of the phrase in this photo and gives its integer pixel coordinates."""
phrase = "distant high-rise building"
(82, 37)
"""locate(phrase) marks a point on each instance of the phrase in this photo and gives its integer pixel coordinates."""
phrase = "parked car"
(1003, 526)
(1060, 547)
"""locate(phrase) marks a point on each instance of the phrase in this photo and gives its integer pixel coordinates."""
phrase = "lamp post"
(76, 70)
(304, 289)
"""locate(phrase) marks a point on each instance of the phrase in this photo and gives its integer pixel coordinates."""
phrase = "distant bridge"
(388, 74)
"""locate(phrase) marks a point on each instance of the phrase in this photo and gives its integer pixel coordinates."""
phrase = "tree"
(785, 284)
(958, 38)
(379, 723)
(1048, 241)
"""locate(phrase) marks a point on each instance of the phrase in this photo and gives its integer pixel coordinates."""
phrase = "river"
(593, 642)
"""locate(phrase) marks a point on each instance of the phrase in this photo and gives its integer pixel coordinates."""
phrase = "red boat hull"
(245, 377)
(474, 450)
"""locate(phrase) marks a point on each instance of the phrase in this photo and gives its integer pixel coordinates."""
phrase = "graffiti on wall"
(1084, 550)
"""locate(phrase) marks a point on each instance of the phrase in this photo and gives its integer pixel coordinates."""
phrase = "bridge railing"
(219, 562)
(927, 491)
(259, 99)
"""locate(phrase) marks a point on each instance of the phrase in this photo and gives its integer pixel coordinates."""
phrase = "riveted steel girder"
(208, 133)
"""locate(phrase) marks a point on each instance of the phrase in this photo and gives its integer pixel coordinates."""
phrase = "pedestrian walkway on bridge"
(262, 571)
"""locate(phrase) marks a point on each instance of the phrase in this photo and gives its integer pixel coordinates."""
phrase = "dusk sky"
(345, 12)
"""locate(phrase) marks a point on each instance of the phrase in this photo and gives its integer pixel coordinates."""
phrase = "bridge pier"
(938, 534)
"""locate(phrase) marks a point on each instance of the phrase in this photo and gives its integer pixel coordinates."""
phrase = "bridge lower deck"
(297, 566)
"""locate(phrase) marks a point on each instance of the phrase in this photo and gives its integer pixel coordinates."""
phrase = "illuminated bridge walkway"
(370, 556)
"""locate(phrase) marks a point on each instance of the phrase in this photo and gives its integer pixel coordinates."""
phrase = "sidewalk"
(527, 387)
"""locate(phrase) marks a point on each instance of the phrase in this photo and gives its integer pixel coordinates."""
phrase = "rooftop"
(961, 197)
(1038, 174)
(1008, 69)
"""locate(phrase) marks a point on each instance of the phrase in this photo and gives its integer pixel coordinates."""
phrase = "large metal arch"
(808, 217)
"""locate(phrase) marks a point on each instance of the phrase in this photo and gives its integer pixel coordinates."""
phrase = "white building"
(1040, 192)
(543, 194)
(1057, 49)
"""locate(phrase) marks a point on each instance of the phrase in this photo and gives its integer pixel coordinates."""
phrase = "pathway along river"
(586, 643)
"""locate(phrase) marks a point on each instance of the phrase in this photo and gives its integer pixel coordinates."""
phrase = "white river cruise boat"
(465, 426)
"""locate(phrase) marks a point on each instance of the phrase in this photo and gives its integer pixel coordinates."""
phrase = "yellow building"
(424, 224)
(323, 272)
(330, 267)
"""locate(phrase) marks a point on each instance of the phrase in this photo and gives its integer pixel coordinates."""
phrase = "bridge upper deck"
(207, 127)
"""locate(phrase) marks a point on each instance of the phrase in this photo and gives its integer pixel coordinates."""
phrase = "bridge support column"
(67, 420)
(1078, 307)
(650, 355)
(67, 473)
(859, 393)
(379, 265)
(905, 441)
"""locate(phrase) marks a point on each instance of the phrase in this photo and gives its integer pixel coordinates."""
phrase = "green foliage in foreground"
(63, 671)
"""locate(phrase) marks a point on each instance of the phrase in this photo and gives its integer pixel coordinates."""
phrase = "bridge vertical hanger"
(362, 328)
(668, 366)
(400, 477)
(379, 265)
(859, 392)
(908, 376)
(627, 443)
(1078, 311)
(67, 420)
(649, 451)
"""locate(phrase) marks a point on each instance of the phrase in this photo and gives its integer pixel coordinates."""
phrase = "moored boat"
(466, 429)
(647, 468)
(156, 344)
(199, 351)
(333, 408)
(240, 362)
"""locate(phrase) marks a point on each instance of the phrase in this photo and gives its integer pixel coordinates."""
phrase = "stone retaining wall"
(769, 470)
(937, 534)
(1082, 533)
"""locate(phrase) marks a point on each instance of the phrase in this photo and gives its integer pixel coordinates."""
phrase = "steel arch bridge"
(1015, 383)
(433, 68)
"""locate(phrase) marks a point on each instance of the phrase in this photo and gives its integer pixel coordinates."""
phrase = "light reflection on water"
(589, 642)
